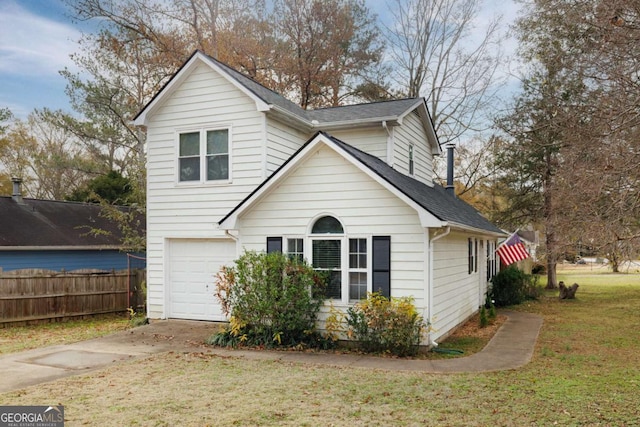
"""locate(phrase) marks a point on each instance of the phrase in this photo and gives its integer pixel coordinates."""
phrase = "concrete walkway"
(511, 348)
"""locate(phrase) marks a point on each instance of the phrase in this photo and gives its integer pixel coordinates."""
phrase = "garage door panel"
(193, 265)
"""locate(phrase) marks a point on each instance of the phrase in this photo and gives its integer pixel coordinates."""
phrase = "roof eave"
(198, 56)
(468, 228)
(360, 123)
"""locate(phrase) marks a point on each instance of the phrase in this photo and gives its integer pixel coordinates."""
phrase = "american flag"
(512, 250)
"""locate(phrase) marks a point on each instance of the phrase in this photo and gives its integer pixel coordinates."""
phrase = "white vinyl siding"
(412, 132)
(363, 206)
(283, 141)
(456, 293)
(372, 140)
(204, 100)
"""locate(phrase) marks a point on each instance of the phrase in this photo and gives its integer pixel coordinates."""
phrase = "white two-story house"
(234, 166)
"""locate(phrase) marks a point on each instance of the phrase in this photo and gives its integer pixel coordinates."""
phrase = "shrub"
(386, 325)
(484, 319)
(511, 286)
(271, 299)
(539, 269)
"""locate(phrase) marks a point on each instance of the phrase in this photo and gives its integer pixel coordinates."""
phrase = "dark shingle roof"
(265, 94)
(436, 200)
(45, 223)
(369, 111)
(374, 110)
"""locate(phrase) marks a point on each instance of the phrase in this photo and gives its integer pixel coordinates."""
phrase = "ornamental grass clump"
(271, 300)
(384, 325)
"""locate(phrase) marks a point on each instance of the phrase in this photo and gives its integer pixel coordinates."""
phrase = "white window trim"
(368, 270)
(285, 245)
(344, 301)
(202, 130)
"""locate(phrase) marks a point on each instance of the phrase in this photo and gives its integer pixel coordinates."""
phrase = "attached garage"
(193, 264)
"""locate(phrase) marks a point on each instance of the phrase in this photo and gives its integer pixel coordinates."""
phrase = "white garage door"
(193, 263)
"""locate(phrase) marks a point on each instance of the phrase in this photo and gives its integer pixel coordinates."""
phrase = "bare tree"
(440, 54)
(49, 160)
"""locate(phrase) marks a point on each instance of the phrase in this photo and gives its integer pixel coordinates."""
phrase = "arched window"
(327, 225)
(327, 252)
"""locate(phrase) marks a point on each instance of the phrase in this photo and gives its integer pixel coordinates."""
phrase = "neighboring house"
(531, 240)
(54, 235)
(233, 166)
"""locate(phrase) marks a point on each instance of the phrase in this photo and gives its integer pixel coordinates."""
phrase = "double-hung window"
(295, 249)
(357, 269)
(326, 253)
(351, 265)
(203, 156)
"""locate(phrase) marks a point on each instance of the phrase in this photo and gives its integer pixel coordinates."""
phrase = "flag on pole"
(512, 250)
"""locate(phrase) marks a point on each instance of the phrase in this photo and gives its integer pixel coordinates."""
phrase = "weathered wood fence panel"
(38, 296)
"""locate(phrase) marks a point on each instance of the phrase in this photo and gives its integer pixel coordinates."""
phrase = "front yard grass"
(20, 338)
(585, 372)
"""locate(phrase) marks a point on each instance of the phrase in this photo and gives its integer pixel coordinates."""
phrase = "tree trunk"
(552, 277)
(550, 225)
(552, 261)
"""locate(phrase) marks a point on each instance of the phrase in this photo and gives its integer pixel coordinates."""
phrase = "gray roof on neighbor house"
(437, 200)
(48, 223)
(369, 111)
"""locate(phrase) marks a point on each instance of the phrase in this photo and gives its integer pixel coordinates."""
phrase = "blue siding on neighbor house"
(66, 260)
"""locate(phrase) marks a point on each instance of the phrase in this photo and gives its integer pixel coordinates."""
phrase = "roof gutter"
(481, 231)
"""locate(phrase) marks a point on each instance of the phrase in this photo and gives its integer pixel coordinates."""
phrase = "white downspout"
(430, 284)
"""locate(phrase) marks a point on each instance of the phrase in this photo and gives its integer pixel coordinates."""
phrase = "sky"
(37, 38)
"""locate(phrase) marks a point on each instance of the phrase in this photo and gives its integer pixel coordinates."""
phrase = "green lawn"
(585, 372)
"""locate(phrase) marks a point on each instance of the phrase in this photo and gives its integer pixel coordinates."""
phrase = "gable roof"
(444, 207)
(267, 100)
(47, 224)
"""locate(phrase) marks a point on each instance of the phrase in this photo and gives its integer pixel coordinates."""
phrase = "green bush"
(511, 286)
(539, 269)
(484, 319)
(270, 301)
(386, 325)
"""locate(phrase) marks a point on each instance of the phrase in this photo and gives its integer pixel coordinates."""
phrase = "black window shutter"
(381, 267)
(274, 244)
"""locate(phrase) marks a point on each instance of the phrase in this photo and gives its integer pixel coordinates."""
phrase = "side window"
(411, 165)
(475, 256)
(189, 156)
(470, 255)
(217, 154)
(295, 249)
(203, 156)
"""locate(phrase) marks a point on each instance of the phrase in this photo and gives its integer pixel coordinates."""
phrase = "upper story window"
(204, 155)
(411, 159)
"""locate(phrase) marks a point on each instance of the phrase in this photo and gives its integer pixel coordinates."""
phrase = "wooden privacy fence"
(39, 296)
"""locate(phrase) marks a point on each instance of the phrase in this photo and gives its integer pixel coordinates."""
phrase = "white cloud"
(33, 45)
